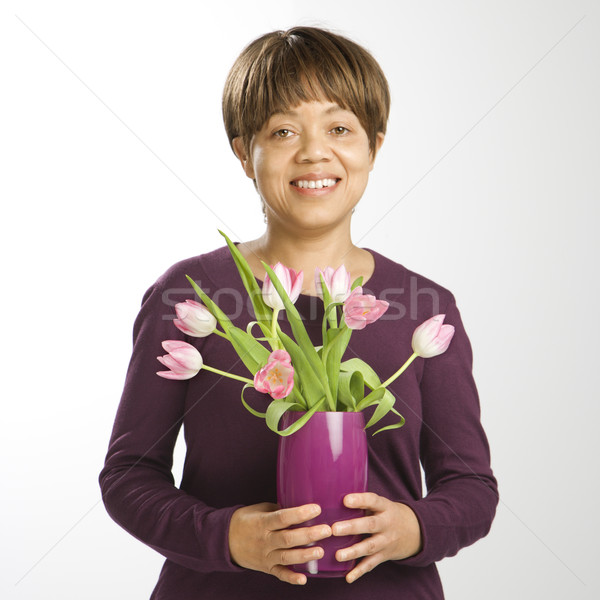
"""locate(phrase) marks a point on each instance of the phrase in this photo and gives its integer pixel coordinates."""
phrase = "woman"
(305, 111)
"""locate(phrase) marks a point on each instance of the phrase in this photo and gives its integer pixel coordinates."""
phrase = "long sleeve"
(462, 491)
(137, 484)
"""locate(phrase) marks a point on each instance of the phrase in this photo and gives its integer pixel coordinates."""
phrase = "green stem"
(399, 371)
(231, 375)
(274, 329)
(328, 347)
(330, 318)
(221, 334)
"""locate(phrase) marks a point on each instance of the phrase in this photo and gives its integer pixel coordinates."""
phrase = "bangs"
(281, 70)
(298, 75)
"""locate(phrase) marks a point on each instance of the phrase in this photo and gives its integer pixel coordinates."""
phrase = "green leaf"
(251, 351)
(356, 364)
(351, 389)
(250, 409)
(265, 330)
(276, 410)
(344, 395)
(337, 341)
(384, 405)
(280, 408)
(223, 319)
(372, 398)
(262, 312)
(358, 281)
(312, 387)
(300, 334)
(393, 426)
(328, 315)
(357, 386)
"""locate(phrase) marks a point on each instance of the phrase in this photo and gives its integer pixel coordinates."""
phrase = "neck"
(307, 252)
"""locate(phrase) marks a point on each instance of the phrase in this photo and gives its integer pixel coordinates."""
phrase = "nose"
(314, 147)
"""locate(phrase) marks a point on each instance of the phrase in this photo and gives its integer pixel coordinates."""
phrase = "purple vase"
(321, 463)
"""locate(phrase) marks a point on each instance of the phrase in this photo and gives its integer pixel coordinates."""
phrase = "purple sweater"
(231, 455)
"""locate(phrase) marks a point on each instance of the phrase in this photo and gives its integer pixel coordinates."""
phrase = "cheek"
(269, 170)
(358, 162)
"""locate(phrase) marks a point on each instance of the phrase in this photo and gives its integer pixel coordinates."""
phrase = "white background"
(115, 165)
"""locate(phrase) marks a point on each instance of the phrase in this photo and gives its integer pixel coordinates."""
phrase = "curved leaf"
(265, 330)
(351, 389)
(356, 364)
(276, 410)
(383, 408)
(394, 426)
(248, 407)
(294, 426)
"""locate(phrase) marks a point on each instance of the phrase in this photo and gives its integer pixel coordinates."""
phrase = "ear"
(378, 144)
(240, 152)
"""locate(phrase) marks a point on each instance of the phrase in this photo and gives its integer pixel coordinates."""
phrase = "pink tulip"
(431, 337)
(277, 376)
(183, 360)
(360, 310)
(291, 282)
(337, 282)
(194, 319)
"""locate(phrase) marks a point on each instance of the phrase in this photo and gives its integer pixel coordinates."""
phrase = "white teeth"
(312, 184)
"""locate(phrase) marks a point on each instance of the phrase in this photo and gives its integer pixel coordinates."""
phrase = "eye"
(340, 130)
(283, 133)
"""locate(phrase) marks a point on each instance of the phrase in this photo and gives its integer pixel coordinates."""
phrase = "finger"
(371, 545)
(290, 538)
(296, 556)
(364, 566)
(366, 501)
(369, 524)
(287, 575)
(286, 517)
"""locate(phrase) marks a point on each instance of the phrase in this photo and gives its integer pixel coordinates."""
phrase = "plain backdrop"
(115, 165)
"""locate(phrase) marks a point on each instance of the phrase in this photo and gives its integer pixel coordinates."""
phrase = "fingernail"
(342, 556)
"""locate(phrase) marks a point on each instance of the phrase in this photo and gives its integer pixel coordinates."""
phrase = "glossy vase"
(321, 463)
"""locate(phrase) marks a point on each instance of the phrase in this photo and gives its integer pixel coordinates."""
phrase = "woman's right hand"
(260, 539)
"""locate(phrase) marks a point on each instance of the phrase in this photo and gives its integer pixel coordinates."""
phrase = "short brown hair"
(281, 69)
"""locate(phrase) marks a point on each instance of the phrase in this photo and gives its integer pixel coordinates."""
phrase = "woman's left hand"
(393, 528)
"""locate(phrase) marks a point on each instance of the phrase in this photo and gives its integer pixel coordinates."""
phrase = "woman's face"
(311, 165)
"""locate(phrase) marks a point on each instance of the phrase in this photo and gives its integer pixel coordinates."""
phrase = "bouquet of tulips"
(297, 375)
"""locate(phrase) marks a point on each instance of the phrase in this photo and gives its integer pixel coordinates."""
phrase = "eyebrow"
(292, 113)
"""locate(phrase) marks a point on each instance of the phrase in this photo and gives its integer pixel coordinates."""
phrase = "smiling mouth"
(314, 184)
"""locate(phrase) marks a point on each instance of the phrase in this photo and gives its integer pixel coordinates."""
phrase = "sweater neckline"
(311, 307)
(372, 284)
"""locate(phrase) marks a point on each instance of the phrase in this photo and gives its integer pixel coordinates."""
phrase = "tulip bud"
(194, 319)
(183, 360)
(291, 282)
(360, 310)
(337, 282)
(431, 337)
